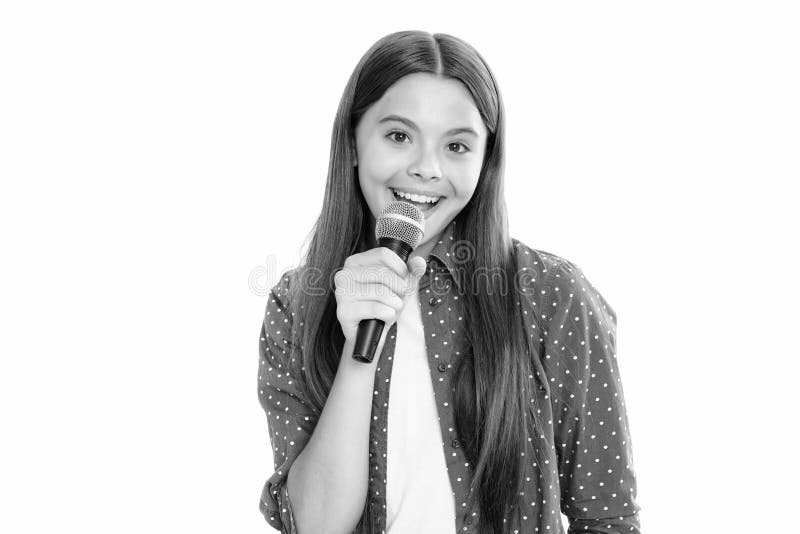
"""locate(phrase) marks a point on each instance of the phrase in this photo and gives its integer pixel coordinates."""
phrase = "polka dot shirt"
(586, 464)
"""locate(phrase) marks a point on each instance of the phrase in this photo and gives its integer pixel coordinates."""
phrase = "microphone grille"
(401, 220)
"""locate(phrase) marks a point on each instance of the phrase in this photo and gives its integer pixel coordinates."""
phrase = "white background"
(162, 163)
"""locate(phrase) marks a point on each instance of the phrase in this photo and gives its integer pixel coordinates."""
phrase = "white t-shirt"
(419, 498)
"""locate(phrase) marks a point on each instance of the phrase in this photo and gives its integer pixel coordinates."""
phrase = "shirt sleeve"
(290, 418)
(592, 439)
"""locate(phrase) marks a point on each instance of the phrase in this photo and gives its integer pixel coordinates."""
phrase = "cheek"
(375, 159)
(379, 167)
(466, 186)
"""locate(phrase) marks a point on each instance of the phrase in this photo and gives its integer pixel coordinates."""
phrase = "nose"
(425, 165)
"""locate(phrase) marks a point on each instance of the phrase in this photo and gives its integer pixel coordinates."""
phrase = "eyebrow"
(410, 124)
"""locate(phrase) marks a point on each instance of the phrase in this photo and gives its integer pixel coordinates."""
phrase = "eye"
(466, 148)
(392, 134)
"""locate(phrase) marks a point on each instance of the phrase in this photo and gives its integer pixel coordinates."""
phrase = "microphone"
(399, 228)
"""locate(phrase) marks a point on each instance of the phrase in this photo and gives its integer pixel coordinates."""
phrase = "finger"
(386, 298)
(380, 276)
(393, 261)
(378, 310)
(379, 256)
(417, 266)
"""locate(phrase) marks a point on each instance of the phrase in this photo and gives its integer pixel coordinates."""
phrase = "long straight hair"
(493, 402)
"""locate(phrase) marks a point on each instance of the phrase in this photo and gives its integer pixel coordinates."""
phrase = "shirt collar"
(443, 256)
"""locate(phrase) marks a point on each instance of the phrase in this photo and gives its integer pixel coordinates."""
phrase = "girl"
(506, 403)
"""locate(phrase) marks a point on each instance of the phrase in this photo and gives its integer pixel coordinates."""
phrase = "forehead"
(430, 101)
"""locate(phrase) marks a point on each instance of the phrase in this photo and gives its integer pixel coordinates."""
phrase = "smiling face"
(424, 135)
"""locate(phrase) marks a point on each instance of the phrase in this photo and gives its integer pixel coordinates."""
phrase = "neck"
(424, 249)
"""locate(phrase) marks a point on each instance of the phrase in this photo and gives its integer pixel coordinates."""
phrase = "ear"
(353, 153)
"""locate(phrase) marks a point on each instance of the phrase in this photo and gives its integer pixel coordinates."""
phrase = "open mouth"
(425, 207)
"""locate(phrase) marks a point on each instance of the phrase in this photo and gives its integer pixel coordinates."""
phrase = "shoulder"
(557, 281)
(535, 270)
(281, 320)
(541, 265)
(280, 294)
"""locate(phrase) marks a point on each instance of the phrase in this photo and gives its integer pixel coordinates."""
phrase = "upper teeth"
(416, 198)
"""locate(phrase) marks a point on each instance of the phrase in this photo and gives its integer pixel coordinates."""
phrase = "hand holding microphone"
(372, 287)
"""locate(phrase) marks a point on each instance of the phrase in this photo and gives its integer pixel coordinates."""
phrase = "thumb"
(417, 266)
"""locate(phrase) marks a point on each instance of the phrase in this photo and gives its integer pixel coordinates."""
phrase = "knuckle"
(386, 254)
(386, 277)
(350, 260)
(340, 279)
(391, 259)
(371, 272)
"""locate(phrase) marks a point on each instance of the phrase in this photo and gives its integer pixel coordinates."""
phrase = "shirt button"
(434, 301)
(456, 444)
(468, 521)
(442, 367)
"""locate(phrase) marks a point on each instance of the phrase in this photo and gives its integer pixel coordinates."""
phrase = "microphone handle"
(369, 334)
(370, 330)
